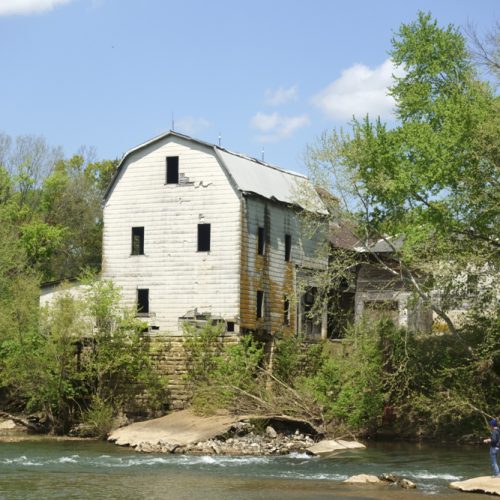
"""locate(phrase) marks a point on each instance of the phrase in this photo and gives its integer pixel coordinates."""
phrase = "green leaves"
(84, 358)
(432, 178)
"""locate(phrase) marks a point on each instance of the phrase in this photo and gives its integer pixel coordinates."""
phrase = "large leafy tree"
(432, 177)
(53, 205)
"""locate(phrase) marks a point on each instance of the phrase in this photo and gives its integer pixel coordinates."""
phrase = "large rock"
(177, 429)
(363, 479)
(483, 484)
(7, 425)
(330, 446)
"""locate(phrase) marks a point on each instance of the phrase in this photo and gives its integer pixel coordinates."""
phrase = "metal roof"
(254, 177)
(250, 176)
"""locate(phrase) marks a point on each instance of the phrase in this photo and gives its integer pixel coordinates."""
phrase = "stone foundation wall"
(170, 358)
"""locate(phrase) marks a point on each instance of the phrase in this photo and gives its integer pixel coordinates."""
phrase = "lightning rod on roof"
(262, 153)
(173, 124)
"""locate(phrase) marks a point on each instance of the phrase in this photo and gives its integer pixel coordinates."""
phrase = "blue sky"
(263, 74)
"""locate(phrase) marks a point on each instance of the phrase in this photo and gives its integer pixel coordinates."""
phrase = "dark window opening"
(143, 301)
(230, 326)
(137, 241)
(309, 298)
(288, 247)
(260, 304)
(172, 170)
(203, 237)
(286, 310)
(261, 243)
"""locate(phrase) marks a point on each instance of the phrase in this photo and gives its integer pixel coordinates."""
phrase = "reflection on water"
(84, 470)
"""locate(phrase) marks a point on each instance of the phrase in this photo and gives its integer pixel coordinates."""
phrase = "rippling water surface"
(85, 470)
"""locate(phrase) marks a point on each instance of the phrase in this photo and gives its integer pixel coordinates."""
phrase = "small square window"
(172, 170)
(138, 241)
(143, 301)
(261, 241)
(230, 326)
(288, 247)
(203, 237)
(260, 304)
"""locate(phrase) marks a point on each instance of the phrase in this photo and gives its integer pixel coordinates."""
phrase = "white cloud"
(281, 95)
(191, 125)
(11, 7)
(276, 127)
(358, 91)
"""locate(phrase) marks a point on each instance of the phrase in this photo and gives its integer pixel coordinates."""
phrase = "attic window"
(260, 304)
(172, 170)
(203, 237)
(143, 301)
(261, 241)
(288, 247)
(138, 241)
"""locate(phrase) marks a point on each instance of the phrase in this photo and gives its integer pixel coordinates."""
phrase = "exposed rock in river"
(483, 484)
(185, 432)
(328, 446)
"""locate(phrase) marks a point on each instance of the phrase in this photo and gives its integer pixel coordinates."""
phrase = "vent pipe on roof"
(262, 153)
(220, 140)
(173, 123)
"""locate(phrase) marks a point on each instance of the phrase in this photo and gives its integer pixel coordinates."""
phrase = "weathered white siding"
(270, 272)
(179, 278)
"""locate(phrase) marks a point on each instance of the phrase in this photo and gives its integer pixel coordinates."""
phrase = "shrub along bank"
(84, 360)
(387, 379)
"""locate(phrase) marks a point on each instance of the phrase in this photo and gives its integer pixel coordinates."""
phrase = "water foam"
(302, 456)
(22, 460)
(73, 459)
(425, 474)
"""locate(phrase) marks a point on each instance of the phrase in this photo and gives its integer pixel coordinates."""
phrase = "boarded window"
(261, 242)
(260, 304)
(172, 170)
(137, 241)
(288, 247)
(286, 310)
(143, 301)
(203, 237)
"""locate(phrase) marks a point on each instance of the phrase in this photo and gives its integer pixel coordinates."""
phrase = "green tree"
(71, 201)
(431, 178)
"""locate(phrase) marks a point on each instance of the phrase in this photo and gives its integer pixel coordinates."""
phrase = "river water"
(45, 469)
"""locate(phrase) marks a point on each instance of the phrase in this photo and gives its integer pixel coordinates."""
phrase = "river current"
(45, 469)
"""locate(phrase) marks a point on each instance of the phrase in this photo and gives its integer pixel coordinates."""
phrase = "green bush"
(219, 373)
(99, 418)
(85, 355)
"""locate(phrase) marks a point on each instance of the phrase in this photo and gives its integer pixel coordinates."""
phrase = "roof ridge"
(213, 145)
